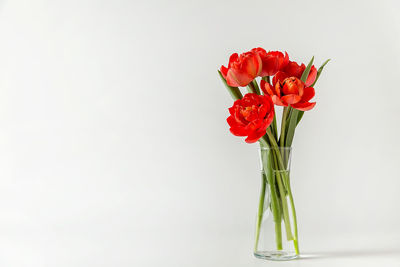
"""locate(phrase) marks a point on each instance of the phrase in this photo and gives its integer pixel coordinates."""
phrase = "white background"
(114, 150)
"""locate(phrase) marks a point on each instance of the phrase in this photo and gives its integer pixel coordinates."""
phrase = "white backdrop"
(114, 150)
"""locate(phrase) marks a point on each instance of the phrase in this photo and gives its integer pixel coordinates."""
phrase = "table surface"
(332, 250)
(176, 246)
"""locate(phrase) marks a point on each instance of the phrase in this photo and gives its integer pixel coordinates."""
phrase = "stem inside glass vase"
(276, 206)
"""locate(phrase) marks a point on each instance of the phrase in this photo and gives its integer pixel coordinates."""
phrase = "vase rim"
(272, 148)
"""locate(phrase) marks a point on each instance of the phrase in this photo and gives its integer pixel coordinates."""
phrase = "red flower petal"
(292, 85)
(238, 131)
(232, 109)
(240, 120)
(278, 87)
(311, 76)
(269, 65)
(237, 78)
(267, 88)
(233, 58)
(291, 99)
(294, 69)
(261, 51)
(251, 64)
(309, 93)
(285, 61)
(279, 76)
(259, 62)
(231, 79)
(269, 119)
(224, 71)
(231, 121)
(304, 106)
(277, 101)
(255, 136)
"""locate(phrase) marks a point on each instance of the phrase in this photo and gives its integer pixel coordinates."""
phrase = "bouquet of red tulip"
(283, 83)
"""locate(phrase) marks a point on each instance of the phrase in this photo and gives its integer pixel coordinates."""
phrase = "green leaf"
(301, 113)
(285, 119)
(319, 71)
(267, 79)
(307, 70)
(292, 127)
(252, 87)
(274, 129)
(304, 77)
(234, 91)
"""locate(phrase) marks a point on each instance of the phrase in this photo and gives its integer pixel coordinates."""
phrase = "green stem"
(296, 236)
(264, 142)
(280, 165)
(285, 208)
(267, 168)
(260, 209)
(283, 126)
(267, 79)
(252, 87)
(275, 206)
(285, 115)
(273, 126)
(274, 145)
(233, 91)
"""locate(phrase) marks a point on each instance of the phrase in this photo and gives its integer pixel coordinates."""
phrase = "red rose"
(291, 91)
(292, 69)
(251, 116)
(242, 69)
(272, 61)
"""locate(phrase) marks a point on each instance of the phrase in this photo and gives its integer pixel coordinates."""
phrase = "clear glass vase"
(276, 235)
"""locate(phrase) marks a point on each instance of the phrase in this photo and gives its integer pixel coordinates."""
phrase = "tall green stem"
(296, 236)
(276, 210)
(274, 127)
(233, 91)
(285, 115)
(283, 126)
(260, 209)
(278, 176)
(252, 87)
(281, 165)
(267, 172)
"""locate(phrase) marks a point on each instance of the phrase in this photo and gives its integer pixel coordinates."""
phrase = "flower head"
(251, 116)
(242, 69)
(291, 91)
(272, 62)
(292, 69)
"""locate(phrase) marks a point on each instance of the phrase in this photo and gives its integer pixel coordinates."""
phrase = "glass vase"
(276, 235)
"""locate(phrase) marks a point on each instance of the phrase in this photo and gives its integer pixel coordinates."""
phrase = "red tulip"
(242, 69)
(251, 116)
(292, 69)
(272, 61)
(291, 91)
